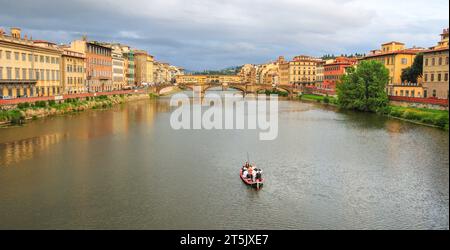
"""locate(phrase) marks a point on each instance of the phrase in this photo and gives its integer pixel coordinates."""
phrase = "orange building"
(334, 71)
(98, 64)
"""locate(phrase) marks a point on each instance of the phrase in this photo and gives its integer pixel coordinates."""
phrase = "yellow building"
(396, 58)
(27, 67)
(283, 71)
(140, 62)
(435, 69)
(149, 71)
(302, 70)
(73, 72)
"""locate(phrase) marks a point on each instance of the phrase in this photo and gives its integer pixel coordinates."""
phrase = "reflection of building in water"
(14, 152)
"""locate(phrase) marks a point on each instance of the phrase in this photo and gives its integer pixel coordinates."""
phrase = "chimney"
(15, 33)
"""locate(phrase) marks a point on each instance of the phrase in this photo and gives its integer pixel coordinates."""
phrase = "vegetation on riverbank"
(438, 118)
(319, 98)
(27, 111)
(364, 88)
(274, 92)
(430, 117)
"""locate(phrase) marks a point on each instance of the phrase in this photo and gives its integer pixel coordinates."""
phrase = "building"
(161, 73)
(283, 71)
(98, 64)
(149, 70)
(302, 70)
(27, 67)
(119, 79)
(435, 69)
(175, 71)
(320, 74)
(246, 73)
(334, 70)
(396, 57)
(73, 71)
(129, 66)
(144, 68)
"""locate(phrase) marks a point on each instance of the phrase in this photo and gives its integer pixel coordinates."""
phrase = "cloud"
(212, 34)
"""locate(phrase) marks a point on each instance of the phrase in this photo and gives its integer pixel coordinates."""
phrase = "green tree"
(411, 74)
(363, 88)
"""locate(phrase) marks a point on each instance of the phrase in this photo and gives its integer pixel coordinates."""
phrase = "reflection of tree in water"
(17, 151)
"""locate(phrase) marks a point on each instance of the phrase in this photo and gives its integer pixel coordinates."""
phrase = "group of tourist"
(251, 172)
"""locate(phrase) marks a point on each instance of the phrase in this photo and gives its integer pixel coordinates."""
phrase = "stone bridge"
(244, 88)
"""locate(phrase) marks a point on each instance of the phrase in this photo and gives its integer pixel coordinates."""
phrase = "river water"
(126, 168)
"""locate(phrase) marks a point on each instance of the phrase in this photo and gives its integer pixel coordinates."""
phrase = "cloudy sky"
(213, 34)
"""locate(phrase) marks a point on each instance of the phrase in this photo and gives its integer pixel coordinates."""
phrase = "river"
(126, 168)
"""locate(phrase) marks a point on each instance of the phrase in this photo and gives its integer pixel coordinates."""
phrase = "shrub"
(51, 103)
(23, 105)
(441, 121)
(40, 104)
(16, 117)
(326, 99)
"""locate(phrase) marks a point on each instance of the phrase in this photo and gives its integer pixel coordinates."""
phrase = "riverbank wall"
(20, 112)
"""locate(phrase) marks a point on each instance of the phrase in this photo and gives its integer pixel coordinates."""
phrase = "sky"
(215, 34)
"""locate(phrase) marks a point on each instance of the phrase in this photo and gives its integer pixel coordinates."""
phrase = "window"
(432, 77)
(439, 77)
(47, 59)
(16, 56)
(446, 77)
(42, 75)
(17, 72)
(440, 60)
(41, 59)
(404, 61)
(1, 73)
(47, 74)
(425, 93)
(433, 62)
(24, 57)
(8, 55)
(426, 77)
(9, 73)
(426, 62)
(30, 57)
(1, 54)
(36, 58)
(434, 93)
(30, 74)
(24, 74)
(53, 60)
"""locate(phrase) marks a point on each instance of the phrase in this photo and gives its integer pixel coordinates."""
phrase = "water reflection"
(13, 152)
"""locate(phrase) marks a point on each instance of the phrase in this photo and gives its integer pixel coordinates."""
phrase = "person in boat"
(255, 172)
(259, 174)
(250, 172)
(245, 173)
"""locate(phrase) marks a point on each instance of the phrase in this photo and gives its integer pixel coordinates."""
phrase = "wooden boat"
(254, 184)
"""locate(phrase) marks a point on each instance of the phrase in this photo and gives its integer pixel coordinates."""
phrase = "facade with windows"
(98, 64)
(395, 57)
(334, 70)
(73, 72)
(435, 69)
(302, 70)
(28, 68)
(118, 67)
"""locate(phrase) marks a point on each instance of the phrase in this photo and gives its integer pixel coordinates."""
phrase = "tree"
(364, 88)
(411, 74)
